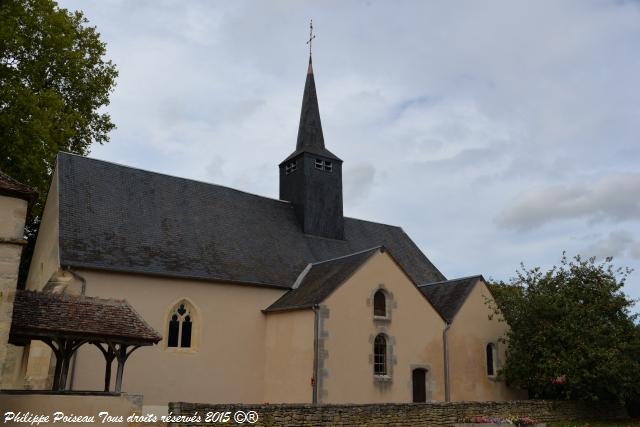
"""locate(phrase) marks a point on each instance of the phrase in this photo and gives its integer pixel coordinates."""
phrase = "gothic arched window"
(380, 355)
(380, 304)
(180, 328)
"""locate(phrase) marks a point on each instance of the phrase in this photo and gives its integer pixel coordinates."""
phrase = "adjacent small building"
(260, 299)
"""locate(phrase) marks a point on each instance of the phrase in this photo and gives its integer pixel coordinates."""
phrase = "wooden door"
(419, 385)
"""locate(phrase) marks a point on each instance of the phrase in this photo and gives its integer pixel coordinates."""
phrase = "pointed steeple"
(310, 136)
(310, 129)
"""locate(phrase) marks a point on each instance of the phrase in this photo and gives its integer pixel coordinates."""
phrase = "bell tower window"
(324, 165)
(290, 167)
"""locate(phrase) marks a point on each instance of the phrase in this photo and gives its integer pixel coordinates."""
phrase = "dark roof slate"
(119, 218)
(448, 296)
(11, 187)
(42, 313)
(319, 280)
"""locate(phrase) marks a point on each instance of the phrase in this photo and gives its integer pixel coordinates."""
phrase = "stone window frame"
(494, 351)
(390, 303)
(383, 381)
(380, 362)
(196, 322)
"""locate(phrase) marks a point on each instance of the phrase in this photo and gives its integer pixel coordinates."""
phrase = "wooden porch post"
(109, 355)
(122, 354)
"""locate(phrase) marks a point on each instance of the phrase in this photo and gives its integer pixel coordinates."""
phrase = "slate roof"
(448, 296)
(119, 218)
(319, 280)
(11, 187)
(46, 314)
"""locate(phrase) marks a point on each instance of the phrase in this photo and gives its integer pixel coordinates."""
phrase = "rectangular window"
(319, 164)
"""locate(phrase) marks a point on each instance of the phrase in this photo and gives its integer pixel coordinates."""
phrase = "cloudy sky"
(492, 132)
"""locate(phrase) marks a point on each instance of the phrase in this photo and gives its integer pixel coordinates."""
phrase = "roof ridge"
(301, 276)
(68, 296)
(374, 222)
(347, 256)
(172, 176)
(450, 280)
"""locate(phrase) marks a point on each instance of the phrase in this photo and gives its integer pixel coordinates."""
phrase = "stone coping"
(62, 393)
(494, 425)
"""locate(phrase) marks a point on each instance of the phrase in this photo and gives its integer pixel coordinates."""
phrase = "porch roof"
(42, 314)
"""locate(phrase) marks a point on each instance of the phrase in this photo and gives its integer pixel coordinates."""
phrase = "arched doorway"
(419, 376)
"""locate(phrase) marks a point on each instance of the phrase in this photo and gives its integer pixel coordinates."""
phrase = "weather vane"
(311, 36)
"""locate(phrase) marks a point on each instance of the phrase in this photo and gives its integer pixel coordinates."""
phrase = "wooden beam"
(109, 355)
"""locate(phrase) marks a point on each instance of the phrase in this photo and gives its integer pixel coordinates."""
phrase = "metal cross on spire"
(311, 37)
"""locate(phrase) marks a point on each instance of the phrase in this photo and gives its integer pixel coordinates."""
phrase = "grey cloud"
(615, 198)
(358, 180)
(476, 158)
(616, 244)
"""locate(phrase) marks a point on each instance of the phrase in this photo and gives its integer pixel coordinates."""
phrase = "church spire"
(311, 176)
(310, 136)
(310, 130)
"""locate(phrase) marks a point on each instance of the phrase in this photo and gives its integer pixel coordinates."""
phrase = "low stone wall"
(27, 406)
(409, 414)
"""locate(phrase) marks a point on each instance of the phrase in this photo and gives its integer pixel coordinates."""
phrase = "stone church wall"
(13, 212)
(407, 414)
(412, 328)
(227, 356)
(471, 331)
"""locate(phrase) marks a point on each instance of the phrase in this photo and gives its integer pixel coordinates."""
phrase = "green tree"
(54, 81)
(572, 334)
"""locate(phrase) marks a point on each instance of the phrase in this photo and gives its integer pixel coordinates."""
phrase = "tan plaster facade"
(241, 354)
(228, 364)
(414, 331)
(471, 330)
(46, 255)
(289, 353)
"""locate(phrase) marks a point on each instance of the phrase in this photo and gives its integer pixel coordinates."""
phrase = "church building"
(259, 299)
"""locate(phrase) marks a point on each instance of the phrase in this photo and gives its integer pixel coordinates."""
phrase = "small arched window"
(180, 326)
(380, 304)
(491, 350)
(380, 355)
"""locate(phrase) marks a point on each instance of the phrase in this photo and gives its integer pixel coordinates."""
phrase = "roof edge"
(380, 247)
(373, 250)
(66, 264)
(475, 280)
(16, 189)
(453, 280)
